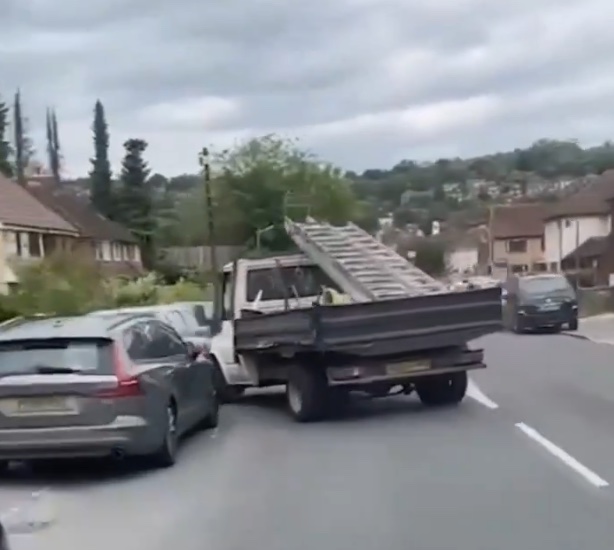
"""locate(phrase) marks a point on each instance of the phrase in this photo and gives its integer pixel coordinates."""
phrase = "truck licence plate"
(407, 367)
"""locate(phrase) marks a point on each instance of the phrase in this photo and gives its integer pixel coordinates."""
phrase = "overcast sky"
(363, 83)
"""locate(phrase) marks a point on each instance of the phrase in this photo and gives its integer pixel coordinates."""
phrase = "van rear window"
(82, 355)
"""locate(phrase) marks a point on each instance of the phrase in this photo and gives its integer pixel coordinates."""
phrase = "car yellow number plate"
(44, 405)
(407, 367)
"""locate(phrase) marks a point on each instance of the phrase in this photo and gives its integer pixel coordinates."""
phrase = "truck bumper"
(404, 370)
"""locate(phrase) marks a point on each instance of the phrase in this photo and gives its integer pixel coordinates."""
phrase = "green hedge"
(67, 286)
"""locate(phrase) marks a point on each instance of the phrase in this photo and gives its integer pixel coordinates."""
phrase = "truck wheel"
(573, 325)
(225, 392)
(307, 393)
(445, 389)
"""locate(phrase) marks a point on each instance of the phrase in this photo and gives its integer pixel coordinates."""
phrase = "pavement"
(526, 461)
(599, 329)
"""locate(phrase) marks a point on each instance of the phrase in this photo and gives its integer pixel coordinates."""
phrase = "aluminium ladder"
(361, 265)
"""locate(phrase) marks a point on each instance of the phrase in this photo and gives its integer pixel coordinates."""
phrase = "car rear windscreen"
(543, 285)
(78, 355)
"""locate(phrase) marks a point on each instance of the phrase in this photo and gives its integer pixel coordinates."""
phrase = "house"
(113, 246)
(517, 238)
(28, 231)
(577, 218)
(467, 252)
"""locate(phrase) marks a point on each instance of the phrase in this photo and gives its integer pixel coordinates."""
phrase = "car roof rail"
(20, 319)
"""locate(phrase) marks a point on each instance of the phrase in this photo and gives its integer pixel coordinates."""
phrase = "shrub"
(62, 284)
(181, 291)
(431, 257)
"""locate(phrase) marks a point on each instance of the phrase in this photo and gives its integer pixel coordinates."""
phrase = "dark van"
(539, 301)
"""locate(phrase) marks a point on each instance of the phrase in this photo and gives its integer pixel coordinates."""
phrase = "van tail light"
(127, 385)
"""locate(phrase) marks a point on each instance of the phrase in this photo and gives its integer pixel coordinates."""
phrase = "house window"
(99, 252)
(519, 268)
(517, 246)
(543, 243)
(131, 253)
(34, 245)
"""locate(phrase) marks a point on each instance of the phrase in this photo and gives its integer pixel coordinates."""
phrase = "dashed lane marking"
(556, 451)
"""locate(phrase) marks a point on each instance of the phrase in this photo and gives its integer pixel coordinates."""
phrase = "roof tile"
(20, 208)
(517, 220)
(79, 212)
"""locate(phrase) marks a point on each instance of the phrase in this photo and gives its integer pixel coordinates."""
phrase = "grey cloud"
(294, 64)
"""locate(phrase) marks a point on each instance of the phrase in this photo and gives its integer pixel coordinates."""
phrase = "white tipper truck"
(396, 327)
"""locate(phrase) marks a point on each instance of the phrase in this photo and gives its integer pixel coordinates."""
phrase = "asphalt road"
(525, 463)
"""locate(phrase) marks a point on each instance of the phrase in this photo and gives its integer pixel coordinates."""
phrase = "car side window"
(177, 321)
(136, 341)
(163, 341)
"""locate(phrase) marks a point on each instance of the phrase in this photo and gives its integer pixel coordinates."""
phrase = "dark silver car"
(100, 386)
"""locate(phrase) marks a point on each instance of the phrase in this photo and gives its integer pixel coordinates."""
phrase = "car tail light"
(127, 385)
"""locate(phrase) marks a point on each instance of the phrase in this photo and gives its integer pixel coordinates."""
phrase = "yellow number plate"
(407, 367)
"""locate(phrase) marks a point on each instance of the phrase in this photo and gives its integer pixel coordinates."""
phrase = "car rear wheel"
(166, 455)
(517, 327)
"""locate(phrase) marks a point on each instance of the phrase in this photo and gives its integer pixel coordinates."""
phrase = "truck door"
(222, 345)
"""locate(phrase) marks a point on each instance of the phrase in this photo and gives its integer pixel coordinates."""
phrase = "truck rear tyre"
(445, 389)
(307, 393)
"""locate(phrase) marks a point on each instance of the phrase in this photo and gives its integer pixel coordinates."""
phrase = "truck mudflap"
(375, 329)
(401, 370)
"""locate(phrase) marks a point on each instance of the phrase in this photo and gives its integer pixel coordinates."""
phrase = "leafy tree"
(257, 184)
(57, 152)
(23, 144)
(53, 145)
(19, 140)
(430, 257)
(135, 201)
(6, 167)
(100, 174)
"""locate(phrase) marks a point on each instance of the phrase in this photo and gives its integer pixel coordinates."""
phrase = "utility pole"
(203, 158)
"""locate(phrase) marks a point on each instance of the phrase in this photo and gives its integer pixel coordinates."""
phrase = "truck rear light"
(127, 385)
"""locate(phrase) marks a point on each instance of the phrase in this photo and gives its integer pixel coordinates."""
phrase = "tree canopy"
(260, 182)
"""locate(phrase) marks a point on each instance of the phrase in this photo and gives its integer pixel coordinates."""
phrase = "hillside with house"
(572, 235)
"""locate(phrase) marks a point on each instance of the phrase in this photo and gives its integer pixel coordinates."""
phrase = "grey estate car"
(100, 386)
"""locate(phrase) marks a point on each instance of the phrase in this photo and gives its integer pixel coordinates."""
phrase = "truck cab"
(259, 286)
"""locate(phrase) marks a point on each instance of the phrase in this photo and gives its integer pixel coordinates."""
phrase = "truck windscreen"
(275, 283)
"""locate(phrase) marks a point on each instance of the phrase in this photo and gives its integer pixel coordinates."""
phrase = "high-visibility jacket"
(333, 298)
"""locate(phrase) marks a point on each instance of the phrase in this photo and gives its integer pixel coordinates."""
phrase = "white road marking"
(476, 393)
(563, 456)
(32, 514)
